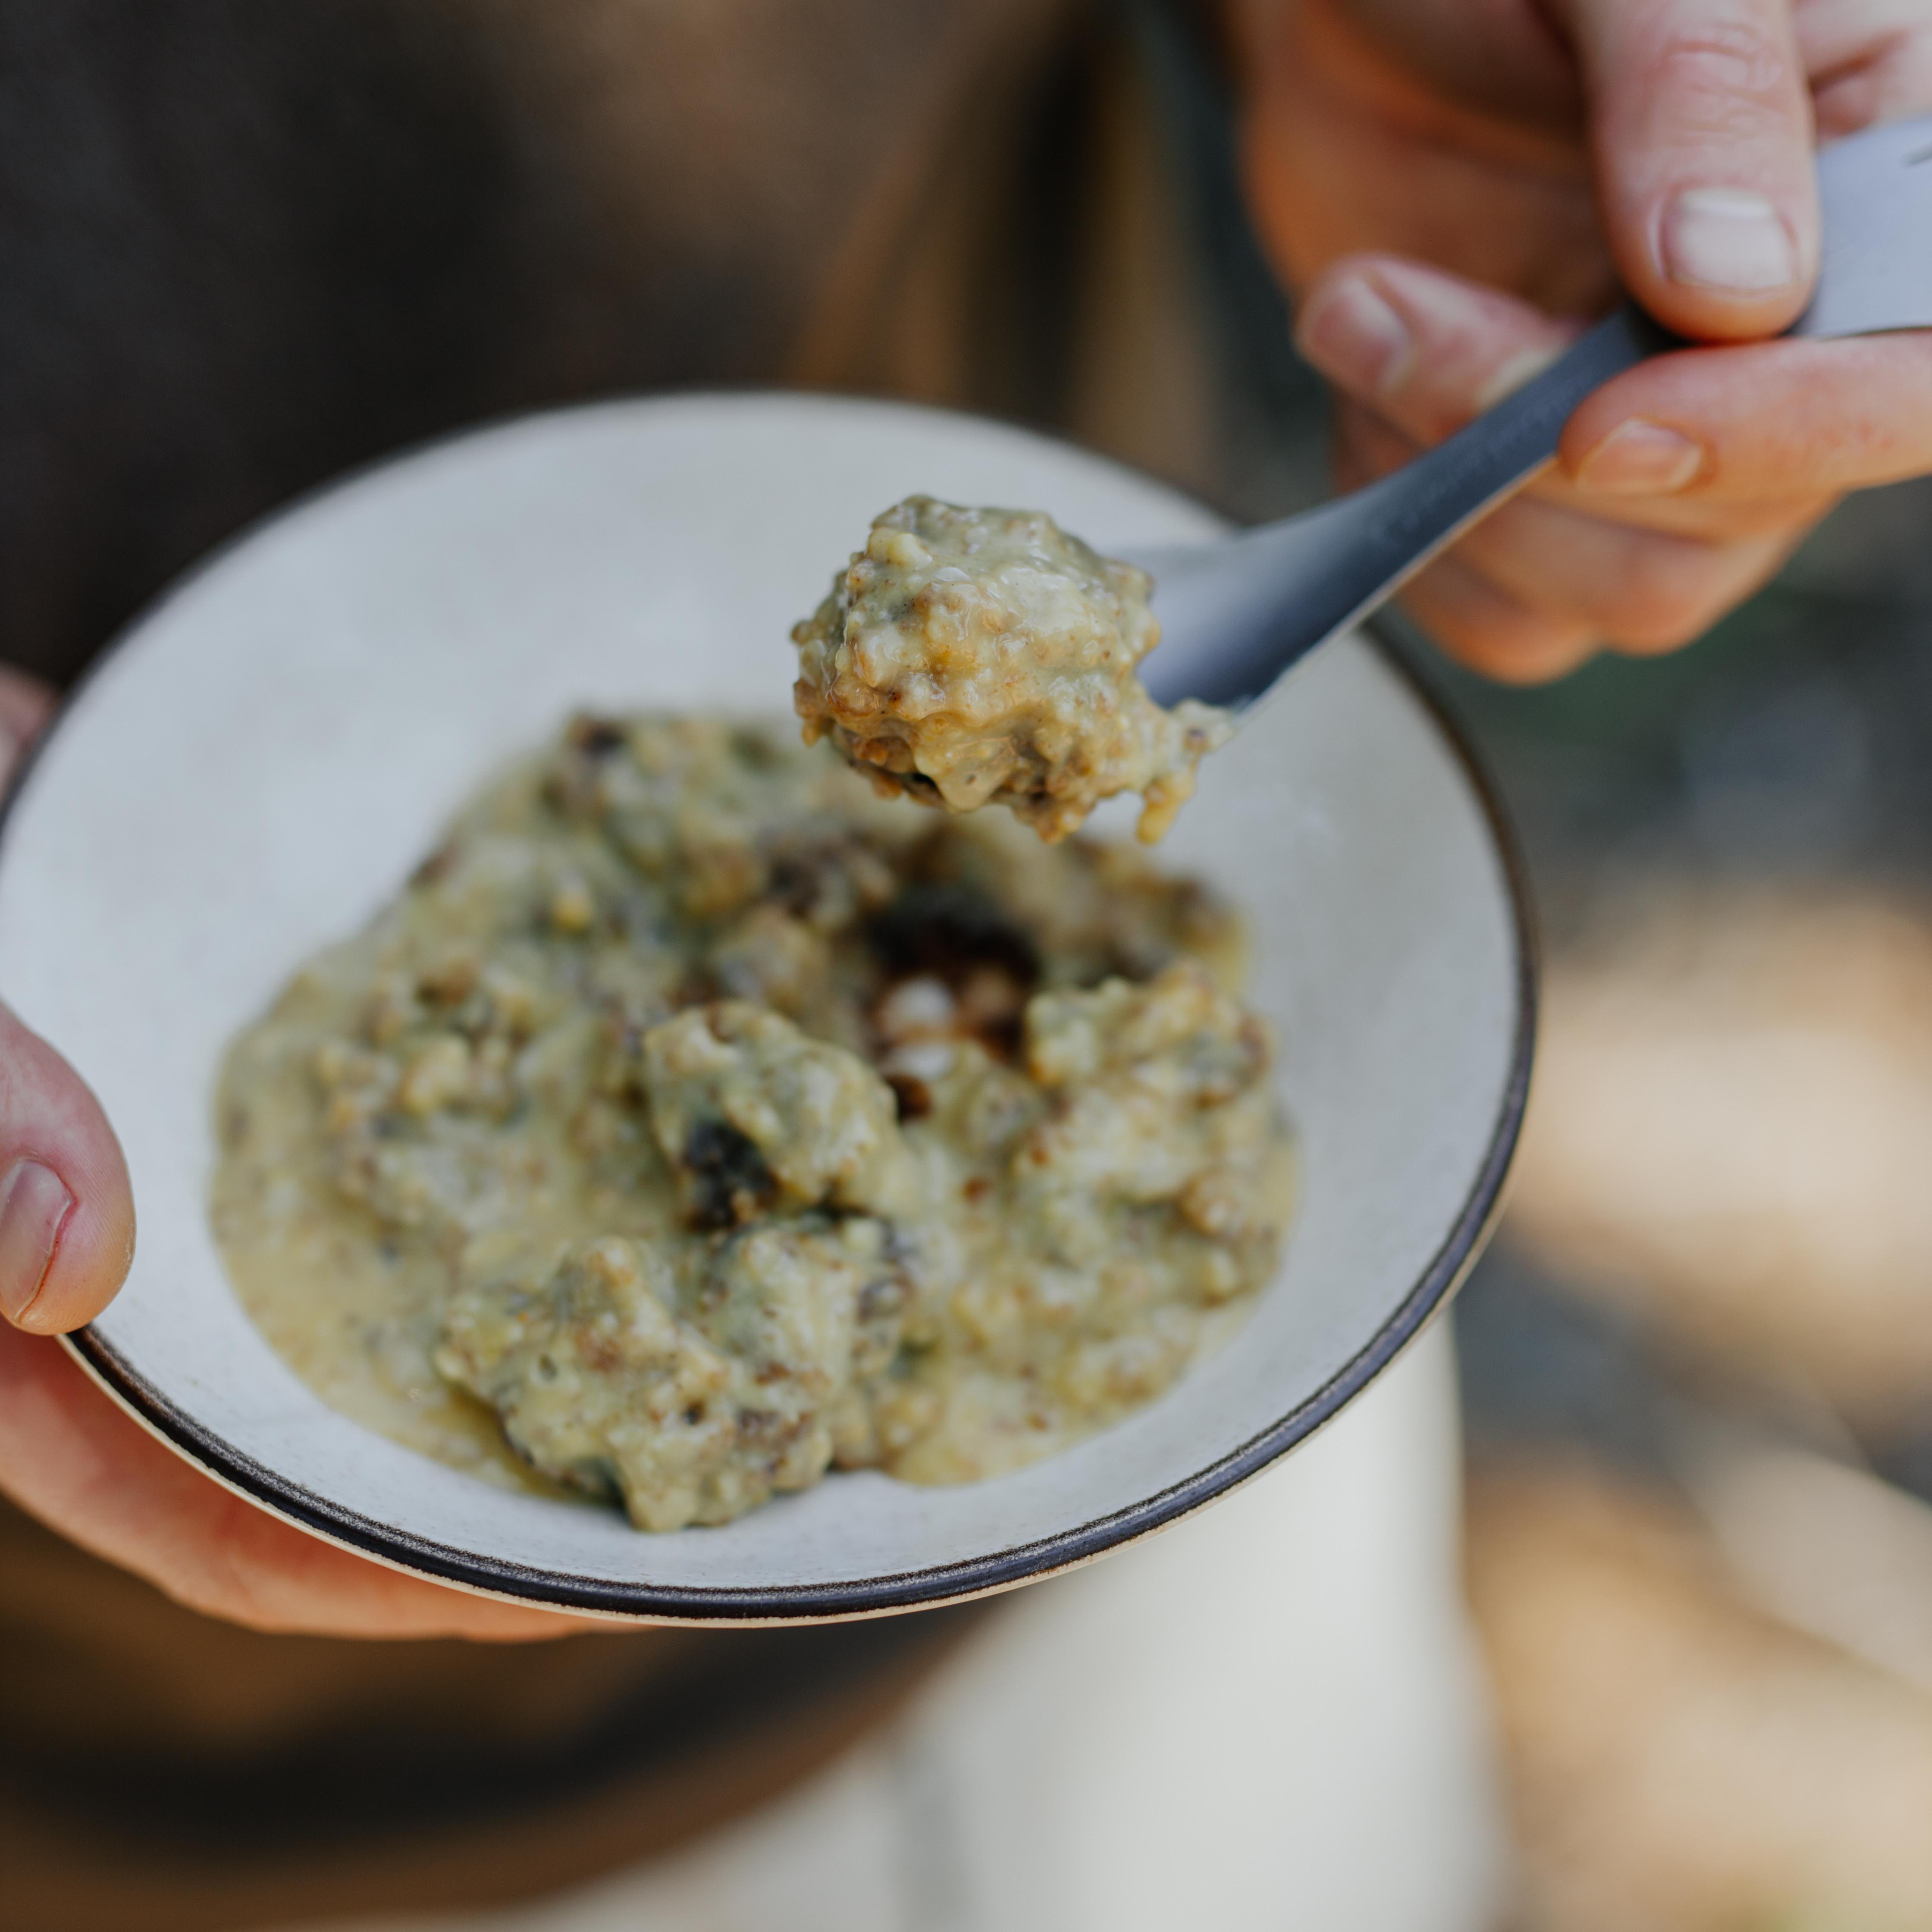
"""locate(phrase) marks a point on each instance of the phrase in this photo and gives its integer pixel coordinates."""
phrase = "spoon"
(1235, 615)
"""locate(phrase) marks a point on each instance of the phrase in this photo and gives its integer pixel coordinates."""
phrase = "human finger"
(1757, 421)
(1535, 588)
(1424, 351)
(70, 1456)
(25, 706)
(1869, 61)
(1701, 129)
(66, 1212)
(1483, 626)
(1639, 591)
(1638, 588)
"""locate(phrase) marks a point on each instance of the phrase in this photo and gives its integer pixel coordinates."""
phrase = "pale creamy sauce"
(695, 1123)
(970, 656)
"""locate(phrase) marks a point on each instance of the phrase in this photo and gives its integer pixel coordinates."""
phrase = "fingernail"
(1726, 238)
(34, 1202)
(1353, 336)
(1640, 459)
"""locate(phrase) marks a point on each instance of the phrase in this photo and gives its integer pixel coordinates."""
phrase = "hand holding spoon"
(1236, 615)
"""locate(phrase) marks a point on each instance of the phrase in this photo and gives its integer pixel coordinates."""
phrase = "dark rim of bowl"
(939, 1584)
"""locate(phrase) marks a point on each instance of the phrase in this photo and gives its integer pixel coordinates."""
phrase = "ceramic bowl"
(259, 764)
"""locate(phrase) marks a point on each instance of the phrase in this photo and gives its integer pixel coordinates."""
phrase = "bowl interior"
(260, 762)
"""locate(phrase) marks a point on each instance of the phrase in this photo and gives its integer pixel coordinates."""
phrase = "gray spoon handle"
(1395, 527)
(1266, 599)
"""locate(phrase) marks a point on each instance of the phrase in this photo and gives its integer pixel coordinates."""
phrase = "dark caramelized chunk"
(954, 933)
(435, 866)
(948, 931)
(596, 737)
(912, 1095)
(726, 1179)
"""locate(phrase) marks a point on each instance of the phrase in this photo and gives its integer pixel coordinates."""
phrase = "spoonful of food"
(967, 657)
(1235, 615)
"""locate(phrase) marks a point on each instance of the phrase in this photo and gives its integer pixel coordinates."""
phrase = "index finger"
(1762, 420)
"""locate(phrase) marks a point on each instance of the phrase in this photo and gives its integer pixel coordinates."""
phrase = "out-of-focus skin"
(1453, 186)
(70, 1456)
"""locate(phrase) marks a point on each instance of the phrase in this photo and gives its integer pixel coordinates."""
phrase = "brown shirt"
(244, 247)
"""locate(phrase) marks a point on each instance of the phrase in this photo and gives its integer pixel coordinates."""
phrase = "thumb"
(66, 1212)
(1701, 119)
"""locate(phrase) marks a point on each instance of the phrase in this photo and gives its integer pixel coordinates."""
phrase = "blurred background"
(1697, 1362)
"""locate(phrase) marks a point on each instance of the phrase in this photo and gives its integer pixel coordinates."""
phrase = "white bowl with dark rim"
(258, 765)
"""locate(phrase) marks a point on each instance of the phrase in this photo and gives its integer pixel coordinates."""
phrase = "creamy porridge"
(967, 657)
(696, 1121)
